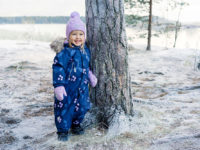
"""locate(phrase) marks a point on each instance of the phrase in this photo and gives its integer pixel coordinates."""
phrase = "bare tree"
(107, 40)
(180, 4)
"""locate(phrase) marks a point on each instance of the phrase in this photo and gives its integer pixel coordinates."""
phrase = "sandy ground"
(166, 95)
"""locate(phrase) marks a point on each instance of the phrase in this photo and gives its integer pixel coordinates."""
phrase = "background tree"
(144, 8)
(179, 6)
(149, 26)
(140, 11)
(107, 40)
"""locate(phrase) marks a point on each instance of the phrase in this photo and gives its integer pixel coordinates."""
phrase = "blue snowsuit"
(70, 69)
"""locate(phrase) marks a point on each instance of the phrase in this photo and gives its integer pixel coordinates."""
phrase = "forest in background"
(35, 20)
(130, 19)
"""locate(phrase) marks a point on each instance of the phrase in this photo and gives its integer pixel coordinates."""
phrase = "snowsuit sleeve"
(59, 68)
(89, 56)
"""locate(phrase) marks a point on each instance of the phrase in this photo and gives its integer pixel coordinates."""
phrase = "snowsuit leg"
(70, 111)
(63, 111)
(79, 114)
(80, 109)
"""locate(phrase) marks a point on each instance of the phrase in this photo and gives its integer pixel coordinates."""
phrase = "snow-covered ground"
(167, 96)
(165, 86)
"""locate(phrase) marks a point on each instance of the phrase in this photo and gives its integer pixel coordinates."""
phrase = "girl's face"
(77, 37)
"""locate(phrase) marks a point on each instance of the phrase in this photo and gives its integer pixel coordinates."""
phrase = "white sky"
(188, 14)
(41, 7)
(65, 7)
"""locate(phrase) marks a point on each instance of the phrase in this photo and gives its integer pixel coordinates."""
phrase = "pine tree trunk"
(149, 26)
(107, 41)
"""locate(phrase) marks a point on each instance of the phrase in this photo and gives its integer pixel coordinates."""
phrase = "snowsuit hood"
(58, 44)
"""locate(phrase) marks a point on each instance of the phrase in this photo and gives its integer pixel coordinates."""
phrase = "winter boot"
(77, 129)
(62, 136)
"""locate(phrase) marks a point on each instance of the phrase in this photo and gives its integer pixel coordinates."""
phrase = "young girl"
(71, 76)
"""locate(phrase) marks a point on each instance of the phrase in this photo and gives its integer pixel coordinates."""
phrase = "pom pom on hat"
(75, 23)
(75, 15)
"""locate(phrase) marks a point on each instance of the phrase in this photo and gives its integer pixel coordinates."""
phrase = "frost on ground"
(166, 95)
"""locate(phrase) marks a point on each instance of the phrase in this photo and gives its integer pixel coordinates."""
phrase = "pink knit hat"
(75, 23)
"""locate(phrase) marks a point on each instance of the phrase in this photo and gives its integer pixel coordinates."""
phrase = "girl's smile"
(77, 37)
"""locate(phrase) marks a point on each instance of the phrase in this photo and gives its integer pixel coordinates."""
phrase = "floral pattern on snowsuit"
(70, 69)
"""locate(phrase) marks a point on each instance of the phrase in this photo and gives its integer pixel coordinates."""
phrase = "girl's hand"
(60, 92)
(93, 79)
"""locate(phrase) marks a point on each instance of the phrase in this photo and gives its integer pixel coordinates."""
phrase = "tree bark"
(107, 41)
(149, 26)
